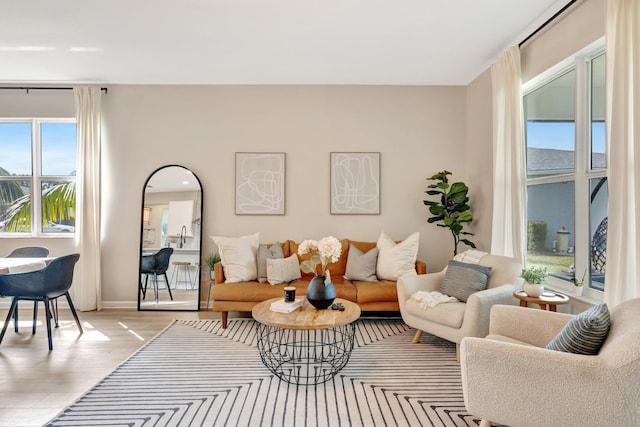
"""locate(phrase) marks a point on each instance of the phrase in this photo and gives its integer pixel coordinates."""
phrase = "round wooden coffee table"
(547, 299)
(306, 346)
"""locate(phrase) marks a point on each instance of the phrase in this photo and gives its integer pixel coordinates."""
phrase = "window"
(38, 163)
(567, 188)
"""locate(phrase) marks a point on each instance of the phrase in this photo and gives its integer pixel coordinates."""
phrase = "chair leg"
(155, 285)
(416, 337)
(485, 423)
(225, 316)
(14, 304)
(73, 311)
(54, 309)
(35, 317)
(15, 319)
(47, 309)
(146, 281)
(168, 287)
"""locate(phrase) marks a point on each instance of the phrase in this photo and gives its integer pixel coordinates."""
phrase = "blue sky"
(560, 135)
(58, 148)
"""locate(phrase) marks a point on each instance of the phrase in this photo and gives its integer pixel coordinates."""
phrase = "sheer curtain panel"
(87, 288)
(622, 281)
(508, 228)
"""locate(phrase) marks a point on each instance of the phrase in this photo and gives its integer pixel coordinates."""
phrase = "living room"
(418, 129)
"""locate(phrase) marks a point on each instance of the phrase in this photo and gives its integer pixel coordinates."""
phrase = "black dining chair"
(33, 252)
(156, 265)
(44, 285)
(29, 252)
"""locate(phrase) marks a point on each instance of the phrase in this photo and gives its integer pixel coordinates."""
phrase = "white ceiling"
(396, 42)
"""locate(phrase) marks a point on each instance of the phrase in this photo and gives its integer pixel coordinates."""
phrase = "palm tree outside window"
(37, 176)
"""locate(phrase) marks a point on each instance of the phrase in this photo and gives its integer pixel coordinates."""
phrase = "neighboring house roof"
(541, 161)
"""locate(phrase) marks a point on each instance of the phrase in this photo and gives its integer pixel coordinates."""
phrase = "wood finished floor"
(36, 384)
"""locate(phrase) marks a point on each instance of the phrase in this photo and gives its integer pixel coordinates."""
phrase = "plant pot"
(533, 290)
(319, 293)
(212, 274)
(577, 290)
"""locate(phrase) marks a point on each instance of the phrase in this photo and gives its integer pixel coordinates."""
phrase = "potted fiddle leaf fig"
(451, 209)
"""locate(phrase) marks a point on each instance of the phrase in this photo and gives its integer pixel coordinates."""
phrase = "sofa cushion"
(283, 270)
(462, 279)
(361, 266)
(396, 260)
(267, 252)
(449, 314)
(238, 257)
(585, 333)
(383, 290)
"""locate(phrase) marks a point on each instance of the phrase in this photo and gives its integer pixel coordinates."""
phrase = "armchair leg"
(485, 423)
(416, 337)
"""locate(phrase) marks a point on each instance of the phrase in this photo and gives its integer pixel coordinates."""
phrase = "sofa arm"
(521, 385)
(421, 267)
(218, 273)
(529, 325)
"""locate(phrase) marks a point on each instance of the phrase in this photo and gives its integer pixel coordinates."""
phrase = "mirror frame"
(142, 208)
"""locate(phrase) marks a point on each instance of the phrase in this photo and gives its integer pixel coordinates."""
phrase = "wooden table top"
(306, 317)
(548, 297)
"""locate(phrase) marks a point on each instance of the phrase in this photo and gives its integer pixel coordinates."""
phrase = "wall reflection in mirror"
(171, 240)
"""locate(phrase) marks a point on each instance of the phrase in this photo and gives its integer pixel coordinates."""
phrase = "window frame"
(583, 170)
(36, 178)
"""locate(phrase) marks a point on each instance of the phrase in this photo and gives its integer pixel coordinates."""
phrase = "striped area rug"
(195, 373)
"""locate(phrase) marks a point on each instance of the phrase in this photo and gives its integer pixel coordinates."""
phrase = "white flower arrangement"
(329, 250)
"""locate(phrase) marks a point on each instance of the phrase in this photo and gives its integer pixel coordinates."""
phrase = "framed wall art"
(355, 183)
(260, 183)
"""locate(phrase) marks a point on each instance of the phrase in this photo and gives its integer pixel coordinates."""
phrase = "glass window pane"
(550, 213)
(58, 207)
(15, 206)
(15, 146)
(598, 146)
(58, 149)
(598, 221)
(550, 127)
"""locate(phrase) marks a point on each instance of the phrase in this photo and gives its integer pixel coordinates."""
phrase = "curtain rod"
(28, 88)
(547, 22)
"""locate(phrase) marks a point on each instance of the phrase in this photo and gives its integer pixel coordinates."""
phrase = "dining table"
(7, 263)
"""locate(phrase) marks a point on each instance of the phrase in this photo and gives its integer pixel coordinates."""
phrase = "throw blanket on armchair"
(431, 299)
(471, 256)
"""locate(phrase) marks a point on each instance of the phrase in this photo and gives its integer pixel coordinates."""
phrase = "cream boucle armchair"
(456, 320)
(510, 378)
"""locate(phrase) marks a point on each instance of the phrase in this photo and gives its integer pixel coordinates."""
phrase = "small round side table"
(548, 300)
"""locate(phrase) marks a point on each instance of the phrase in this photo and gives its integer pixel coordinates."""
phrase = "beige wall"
(418, 130)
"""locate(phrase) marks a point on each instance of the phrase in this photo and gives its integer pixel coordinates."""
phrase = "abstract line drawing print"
(355, 183)
(260, 183)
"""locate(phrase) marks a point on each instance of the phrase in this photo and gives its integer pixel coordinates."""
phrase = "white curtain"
(622, 279)
(508, 236)
(87, 287)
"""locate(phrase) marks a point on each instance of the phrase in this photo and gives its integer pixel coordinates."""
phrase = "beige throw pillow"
(238, 257)
(396, 260)
(283, 270)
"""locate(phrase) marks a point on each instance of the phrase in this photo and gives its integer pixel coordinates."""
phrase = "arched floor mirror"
(170, 241)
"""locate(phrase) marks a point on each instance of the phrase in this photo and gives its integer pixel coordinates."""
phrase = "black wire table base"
(305, 356)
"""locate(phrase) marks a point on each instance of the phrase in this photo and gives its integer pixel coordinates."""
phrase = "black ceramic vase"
(320, 294)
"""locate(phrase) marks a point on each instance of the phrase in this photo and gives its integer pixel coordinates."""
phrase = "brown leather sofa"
(370, 296)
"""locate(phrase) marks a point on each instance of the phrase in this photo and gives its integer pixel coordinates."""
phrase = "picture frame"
(355, 183)
(260, 183)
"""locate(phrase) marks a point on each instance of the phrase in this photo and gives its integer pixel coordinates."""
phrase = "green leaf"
(464, 216)
(468, 243)
(433, 192)
(443, 185)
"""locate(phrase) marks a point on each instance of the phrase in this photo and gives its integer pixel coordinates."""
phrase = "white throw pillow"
(396, 260)
(238, 257)
(283, 270)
